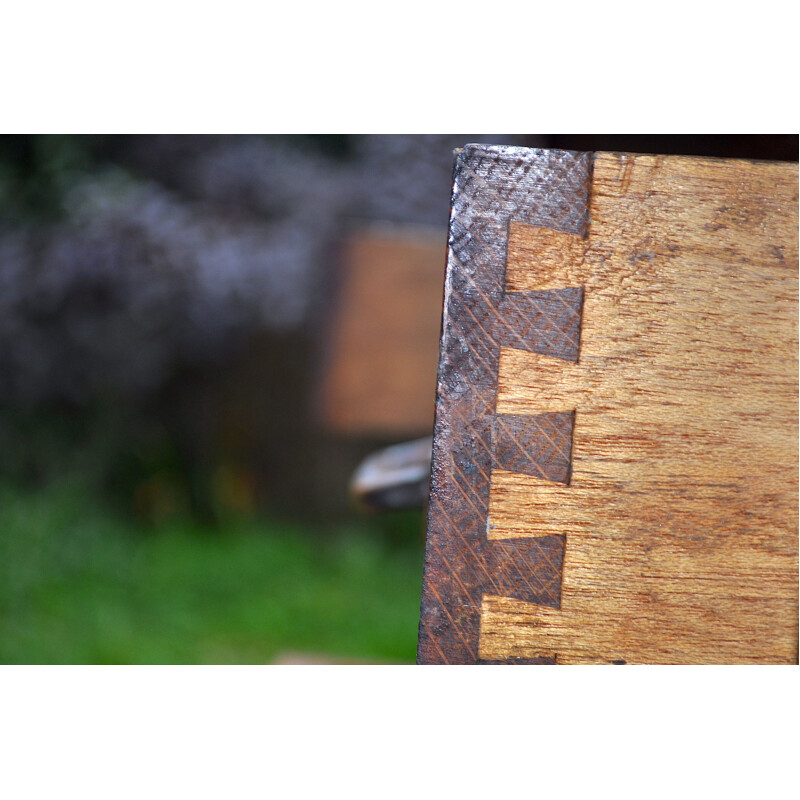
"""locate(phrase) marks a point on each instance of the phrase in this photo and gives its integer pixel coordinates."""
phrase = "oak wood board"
(678, 508)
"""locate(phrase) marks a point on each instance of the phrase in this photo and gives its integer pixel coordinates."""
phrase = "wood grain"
(680, 516)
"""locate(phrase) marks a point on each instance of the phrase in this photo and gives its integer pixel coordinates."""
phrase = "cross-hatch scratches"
(494, 186)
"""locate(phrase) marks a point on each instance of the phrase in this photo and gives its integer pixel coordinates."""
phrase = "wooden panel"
(380, 377)
(679, 512)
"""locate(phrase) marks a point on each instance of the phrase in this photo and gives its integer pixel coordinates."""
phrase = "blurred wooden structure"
(615, 472)
(379, 375)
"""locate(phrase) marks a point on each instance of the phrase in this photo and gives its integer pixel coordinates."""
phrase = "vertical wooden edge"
(491, 186)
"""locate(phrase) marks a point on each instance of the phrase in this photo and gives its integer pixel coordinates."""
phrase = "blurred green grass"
(81, 584)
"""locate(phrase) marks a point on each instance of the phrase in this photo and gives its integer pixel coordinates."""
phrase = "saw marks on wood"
(680, 515)
(493, 187)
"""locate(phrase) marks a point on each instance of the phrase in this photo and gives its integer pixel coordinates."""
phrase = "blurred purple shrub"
(168, 250)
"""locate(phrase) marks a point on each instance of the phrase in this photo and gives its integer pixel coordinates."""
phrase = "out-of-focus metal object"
(394, 478)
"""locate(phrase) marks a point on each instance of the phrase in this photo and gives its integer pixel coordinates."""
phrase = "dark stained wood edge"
(493, 185)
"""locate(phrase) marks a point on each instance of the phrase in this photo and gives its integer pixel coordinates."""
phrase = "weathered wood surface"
(653, 460)
(381, 356)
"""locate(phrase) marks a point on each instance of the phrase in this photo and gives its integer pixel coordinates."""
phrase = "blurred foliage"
(37, 171)
(136, 270)
(79, 584)
(159, 307)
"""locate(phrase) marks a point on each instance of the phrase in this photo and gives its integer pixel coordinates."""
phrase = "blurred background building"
(200, 338)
